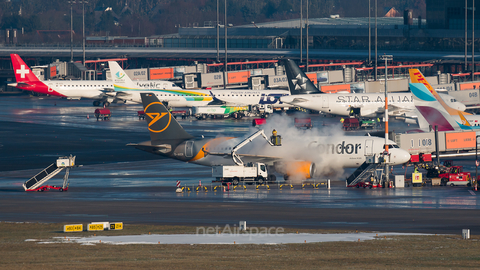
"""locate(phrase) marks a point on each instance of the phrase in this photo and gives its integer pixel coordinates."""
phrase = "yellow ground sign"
(73, 228)
(116, 226)
(95, 227)
(416, 178)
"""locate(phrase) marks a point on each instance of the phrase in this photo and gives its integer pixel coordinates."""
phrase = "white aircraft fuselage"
(370, 104)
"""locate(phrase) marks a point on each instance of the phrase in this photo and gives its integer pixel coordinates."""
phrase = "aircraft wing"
(297, 100)
(122, 94)
(366, 111)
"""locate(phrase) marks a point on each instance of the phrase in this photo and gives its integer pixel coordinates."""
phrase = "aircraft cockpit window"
(390, 146)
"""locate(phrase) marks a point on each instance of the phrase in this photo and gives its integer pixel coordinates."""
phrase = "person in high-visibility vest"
(342, 120)
(275, 139)
(415, 170)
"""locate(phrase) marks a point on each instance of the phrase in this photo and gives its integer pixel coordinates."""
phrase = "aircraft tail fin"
(431, 109)
(298, 82)
(417, 77)
(22, 72)
(121, 81)
(162, 125)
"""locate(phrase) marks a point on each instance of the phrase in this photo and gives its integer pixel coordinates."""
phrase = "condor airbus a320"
(128, 90)
(301, 154)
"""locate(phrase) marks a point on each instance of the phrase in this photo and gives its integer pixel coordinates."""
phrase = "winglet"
(22, 72)
(464, 120)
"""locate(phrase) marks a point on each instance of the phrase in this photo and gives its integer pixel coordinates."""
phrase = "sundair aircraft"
(363, 104)
(70, 89)
(301, 153)
(128, 90)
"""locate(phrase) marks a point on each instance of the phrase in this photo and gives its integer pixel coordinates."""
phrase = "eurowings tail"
(433, 111)
(417, 77)
(121, 81)
(23, 74)
(298, 82)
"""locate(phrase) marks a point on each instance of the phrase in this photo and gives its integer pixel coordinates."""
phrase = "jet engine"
(295, 169)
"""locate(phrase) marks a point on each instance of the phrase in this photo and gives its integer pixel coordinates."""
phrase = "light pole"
(301, 31)
(386, 58)
(225, 74)
(370, 36)
(83, 22)
(71, 29)
(307, 37)
(376, 42)
(466, 37)
(473, 40)
(476, 161)
(218, 36)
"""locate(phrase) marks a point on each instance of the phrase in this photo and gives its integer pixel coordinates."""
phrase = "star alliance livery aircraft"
(365, 104)
(298, 155)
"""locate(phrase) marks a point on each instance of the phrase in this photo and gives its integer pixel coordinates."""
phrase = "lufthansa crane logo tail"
(157, 121)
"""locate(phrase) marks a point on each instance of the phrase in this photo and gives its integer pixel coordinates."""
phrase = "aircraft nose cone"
(399, 156)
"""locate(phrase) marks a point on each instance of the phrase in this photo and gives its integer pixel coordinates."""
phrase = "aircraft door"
(368, 147)
(189, 149)
(325, 101)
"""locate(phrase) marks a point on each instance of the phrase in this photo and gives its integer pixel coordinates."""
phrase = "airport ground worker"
(275, 139)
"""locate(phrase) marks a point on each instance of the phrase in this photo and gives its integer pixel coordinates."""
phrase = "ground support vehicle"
(103, 114)
(351, 124)
(354, 123)
(252, 172)
(455, 176)
(303, 123)
(204, 112)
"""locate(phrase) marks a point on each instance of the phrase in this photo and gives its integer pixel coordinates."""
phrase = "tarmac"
(120, 183)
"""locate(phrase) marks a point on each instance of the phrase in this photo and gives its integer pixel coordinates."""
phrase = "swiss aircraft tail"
(163, 127)
(121, 81)
(433, 111)
(417, 77)
(298, 82)
(22, 72)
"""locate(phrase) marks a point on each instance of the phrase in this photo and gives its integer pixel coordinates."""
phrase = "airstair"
(368, 169)
(35, 183)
